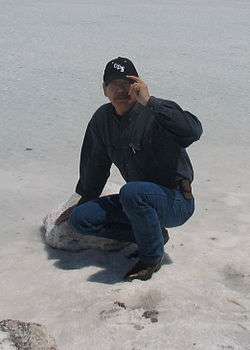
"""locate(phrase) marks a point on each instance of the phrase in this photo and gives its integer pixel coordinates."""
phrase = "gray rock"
(64, 236)
(20, 335)
(6, 342)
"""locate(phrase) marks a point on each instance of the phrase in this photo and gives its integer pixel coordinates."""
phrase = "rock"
(120, 304)
(63, 236)
(5, 342)
(152, 314)
(20, 335)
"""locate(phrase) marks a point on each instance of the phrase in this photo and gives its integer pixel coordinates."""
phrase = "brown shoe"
(142, 271)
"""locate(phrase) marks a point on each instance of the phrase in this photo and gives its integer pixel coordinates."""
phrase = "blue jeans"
(138, 213)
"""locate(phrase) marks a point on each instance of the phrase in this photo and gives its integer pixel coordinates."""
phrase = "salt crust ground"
(52, 56)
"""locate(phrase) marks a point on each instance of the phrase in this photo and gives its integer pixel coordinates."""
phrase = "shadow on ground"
(113, 264)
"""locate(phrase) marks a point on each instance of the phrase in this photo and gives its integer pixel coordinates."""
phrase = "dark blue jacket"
(148, 143)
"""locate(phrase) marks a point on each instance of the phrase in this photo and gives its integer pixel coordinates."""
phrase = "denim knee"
(129, 192)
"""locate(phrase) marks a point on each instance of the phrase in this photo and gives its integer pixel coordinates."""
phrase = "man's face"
(117, 92)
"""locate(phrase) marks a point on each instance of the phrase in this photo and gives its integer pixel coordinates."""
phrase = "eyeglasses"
(119, 83)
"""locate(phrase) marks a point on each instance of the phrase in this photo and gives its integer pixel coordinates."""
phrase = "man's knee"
(84, 220)
(131, 192)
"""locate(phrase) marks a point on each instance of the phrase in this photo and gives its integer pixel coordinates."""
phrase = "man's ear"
(104, 89)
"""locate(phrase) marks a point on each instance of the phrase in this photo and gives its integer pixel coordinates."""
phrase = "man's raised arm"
(184, 126)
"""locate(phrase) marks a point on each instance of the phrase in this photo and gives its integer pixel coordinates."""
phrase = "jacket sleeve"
(95, 164)
(183, 125)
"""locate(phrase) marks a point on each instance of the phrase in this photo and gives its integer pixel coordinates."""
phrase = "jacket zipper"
(134, 149)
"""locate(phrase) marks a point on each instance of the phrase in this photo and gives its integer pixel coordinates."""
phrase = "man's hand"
(139, 90)
(65, 215)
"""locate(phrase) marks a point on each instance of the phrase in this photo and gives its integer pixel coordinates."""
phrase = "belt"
(184, 186)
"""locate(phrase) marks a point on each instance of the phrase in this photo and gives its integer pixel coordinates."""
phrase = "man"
(145, 137)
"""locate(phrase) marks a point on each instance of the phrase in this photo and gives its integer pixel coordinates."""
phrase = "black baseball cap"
(118, 68)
